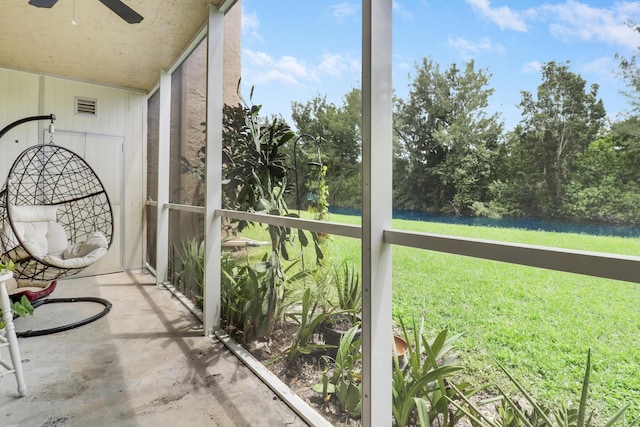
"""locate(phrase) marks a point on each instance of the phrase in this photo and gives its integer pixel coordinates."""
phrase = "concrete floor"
(146, 363)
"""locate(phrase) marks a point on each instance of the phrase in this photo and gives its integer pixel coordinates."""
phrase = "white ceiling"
(101, 48)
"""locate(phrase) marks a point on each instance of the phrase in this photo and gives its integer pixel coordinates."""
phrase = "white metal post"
(164, 146)
(377, 94)
(213, 200)
(10, 339)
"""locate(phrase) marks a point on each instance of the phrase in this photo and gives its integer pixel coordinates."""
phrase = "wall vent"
(86, 106)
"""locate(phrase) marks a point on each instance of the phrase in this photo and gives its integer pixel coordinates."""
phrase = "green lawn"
(537, 323)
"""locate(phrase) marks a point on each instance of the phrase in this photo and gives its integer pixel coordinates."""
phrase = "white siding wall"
(119, 113)
(18, 99)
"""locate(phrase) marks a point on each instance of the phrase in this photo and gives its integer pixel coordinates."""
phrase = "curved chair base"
(107, 307)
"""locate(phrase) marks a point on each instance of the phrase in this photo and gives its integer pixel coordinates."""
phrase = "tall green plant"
(422, 383)
(348, 287)
(245, 294)
(308, 321)
(342, 376)
(191, 268)
(256, 181)
(244, 297)
(231, 293)
(318, 190)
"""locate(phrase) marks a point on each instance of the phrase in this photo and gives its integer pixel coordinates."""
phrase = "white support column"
(213, 223)
(164, 146)
(377, 93)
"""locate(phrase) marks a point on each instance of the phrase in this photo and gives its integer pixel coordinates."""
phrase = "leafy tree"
(604, 187)
(336, 132)
(447, 144)
(630, 72)
(418, 154)
(627, 135)
(557, 125)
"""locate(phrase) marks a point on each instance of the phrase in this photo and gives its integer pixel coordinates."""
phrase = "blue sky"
(293, 50)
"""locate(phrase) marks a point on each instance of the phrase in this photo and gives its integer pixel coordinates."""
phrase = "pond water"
(523, 223)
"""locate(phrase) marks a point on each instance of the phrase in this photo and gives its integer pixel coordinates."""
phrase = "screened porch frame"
(376, 233)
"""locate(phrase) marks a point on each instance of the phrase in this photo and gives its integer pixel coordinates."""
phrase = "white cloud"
(574, 20)
(602, 67)
(467, 48)
(294, 67)
(627, 7)
(531, 67)
(262, 68)
(404, 66)
(335, 64)
(503, 16)
(571, 20)
(401, 11)
(250, 25)
(259, 59)
(344, 10)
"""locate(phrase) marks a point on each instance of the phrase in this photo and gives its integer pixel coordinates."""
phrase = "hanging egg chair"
(55, 218)
(55, 215)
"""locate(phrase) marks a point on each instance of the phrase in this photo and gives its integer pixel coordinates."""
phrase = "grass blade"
(582, 410)
(617, 416)
(465, 411)
(526, 395)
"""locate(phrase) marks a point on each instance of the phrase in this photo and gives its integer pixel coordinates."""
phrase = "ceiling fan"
(116, 6)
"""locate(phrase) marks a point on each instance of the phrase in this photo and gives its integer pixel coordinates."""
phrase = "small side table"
(9, 338)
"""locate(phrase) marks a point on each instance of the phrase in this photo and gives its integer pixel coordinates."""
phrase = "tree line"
(563, 159)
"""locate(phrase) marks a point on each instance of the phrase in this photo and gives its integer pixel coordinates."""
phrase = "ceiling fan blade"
(43, 3)
(123, 11)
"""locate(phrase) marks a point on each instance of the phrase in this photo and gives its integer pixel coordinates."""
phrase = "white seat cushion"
(33, 213)
(94, 241)
(42, 238)
(56, 238)
(37, 228)
(46, 239)
(34, 236)
(79, 262)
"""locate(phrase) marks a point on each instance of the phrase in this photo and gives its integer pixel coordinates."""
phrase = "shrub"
(565, 415)
(23, 307)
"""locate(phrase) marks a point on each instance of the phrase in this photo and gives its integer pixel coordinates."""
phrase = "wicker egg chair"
(50, 190)
(55, 220)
